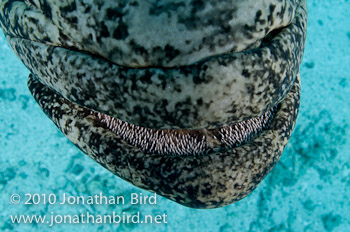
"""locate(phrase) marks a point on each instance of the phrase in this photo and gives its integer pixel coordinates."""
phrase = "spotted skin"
(192, 66)
(216, 92)
(136, 33)
(214, 180)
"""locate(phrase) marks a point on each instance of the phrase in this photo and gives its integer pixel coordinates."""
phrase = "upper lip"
(223, 90)
(217, 91)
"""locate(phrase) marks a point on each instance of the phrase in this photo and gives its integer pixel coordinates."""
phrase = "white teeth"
(185, 142)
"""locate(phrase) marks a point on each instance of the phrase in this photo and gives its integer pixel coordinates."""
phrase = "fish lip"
(178, 178)
(191, 97)
(218, 91)
(187, 142)
(180, 142)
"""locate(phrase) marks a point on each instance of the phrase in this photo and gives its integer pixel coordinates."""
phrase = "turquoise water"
(308, 190)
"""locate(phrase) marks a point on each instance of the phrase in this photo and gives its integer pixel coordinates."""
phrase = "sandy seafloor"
(308, 190)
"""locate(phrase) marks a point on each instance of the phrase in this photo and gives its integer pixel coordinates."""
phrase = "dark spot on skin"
(62, 37)
(146, 78)
(33, 20)
(69, 8)
(135, 3)
(192, 191)
(121, 32)
(87, 7)
(197, 5)
(139, 50)
(114, 13)
(164, 103)
(257, 16)
(250, 90)
(141, 111)
(162, 78)
(134, 86)
(91, 88)
(178, 89)
(246, 73)
(115, 52)
(201, 78)
(248, 30)
(171, 52)
(46, 9)
(182, 109)
(207, 189)
(104, 31)
(158, 8)
(73, 20)
(74, 94)
(270, 16)
(165, 54)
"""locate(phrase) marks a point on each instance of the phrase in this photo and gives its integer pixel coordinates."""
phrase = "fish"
(193, 100)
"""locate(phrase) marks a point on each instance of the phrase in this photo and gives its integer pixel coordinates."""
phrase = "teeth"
(185, 142)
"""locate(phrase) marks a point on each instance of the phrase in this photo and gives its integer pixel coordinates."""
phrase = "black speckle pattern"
(214, 180)
(113, 74)
(256, 80)
(197, 29)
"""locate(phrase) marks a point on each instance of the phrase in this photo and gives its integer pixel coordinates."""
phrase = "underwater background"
(308, 190)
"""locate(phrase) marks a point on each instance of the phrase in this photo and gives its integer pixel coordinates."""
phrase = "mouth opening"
(187, 142)
(165, 142)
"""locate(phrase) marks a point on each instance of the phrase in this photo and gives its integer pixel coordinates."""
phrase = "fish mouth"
(178, 142)
(203, 135)
(187, 142)
(218, 178)
(213, 105)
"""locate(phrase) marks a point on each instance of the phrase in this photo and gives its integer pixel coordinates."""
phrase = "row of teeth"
(185, 142)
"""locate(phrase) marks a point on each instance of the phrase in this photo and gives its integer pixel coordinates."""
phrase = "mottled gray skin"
(135, 33)
(214, 180)
(207, 92)
(196, 65)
